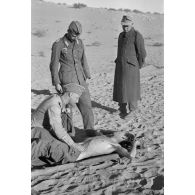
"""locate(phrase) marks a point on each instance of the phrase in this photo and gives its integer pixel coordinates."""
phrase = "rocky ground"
(145, 174)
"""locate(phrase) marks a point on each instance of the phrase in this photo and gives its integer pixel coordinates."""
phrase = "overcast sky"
(142, 5)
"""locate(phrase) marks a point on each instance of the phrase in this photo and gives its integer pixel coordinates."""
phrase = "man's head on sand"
(74, 30)
(126, 23)
(72, 93)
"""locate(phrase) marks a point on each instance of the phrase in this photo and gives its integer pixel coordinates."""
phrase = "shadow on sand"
(81, 134)
(97, 105)
(41, 92)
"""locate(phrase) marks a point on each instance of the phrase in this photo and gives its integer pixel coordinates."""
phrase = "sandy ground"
(101, 27)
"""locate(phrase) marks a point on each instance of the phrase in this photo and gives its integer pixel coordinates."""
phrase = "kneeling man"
(51, 123)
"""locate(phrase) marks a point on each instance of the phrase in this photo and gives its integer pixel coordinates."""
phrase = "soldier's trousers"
(47, 150)
(85, 107)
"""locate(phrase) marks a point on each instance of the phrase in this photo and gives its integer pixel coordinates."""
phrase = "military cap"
(74, 88)
(126, 20)
(75, 27)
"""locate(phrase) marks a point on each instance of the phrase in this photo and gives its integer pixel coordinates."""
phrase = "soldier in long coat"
(130, 58)
(69, 65)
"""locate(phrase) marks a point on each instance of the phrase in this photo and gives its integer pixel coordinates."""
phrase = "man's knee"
(85, 99)
(84, 104)
(36, 132)
(62, 153)
(41, 133)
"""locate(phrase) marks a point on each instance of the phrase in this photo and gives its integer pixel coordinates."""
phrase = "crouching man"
(51, 125)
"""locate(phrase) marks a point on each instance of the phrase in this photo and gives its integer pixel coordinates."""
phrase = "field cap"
(75, 28)
(126, 20)
(73, 88)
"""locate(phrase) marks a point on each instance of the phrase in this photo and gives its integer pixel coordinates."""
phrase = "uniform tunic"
(49, 114)
(130, 58)
(68, 62)
(69, 65)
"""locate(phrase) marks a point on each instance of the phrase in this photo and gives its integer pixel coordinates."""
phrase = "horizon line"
(106, 7)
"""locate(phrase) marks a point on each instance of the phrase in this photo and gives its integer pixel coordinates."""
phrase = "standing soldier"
(130, 58)
(69, 65)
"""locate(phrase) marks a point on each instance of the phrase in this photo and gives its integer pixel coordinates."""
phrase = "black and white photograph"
(97, 97)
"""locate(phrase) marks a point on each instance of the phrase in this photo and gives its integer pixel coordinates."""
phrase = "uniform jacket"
(50, 115)
(68, 62)
(130, 58)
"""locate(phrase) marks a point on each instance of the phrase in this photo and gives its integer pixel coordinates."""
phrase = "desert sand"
(101, 27)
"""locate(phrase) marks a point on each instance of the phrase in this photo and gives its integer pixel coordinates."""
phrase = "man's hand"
(59, 88)
(79, 147)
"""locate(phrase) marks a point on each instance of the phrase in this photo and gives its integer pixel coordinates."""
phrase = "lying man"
(46, 150)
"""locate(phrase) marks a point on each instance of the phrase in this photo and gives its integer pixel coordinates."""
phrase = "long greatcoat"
(130, 58)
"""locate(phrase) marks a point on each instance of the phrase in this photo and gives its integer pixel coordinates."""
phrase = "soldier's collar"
(67, 41)
(63, 104)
